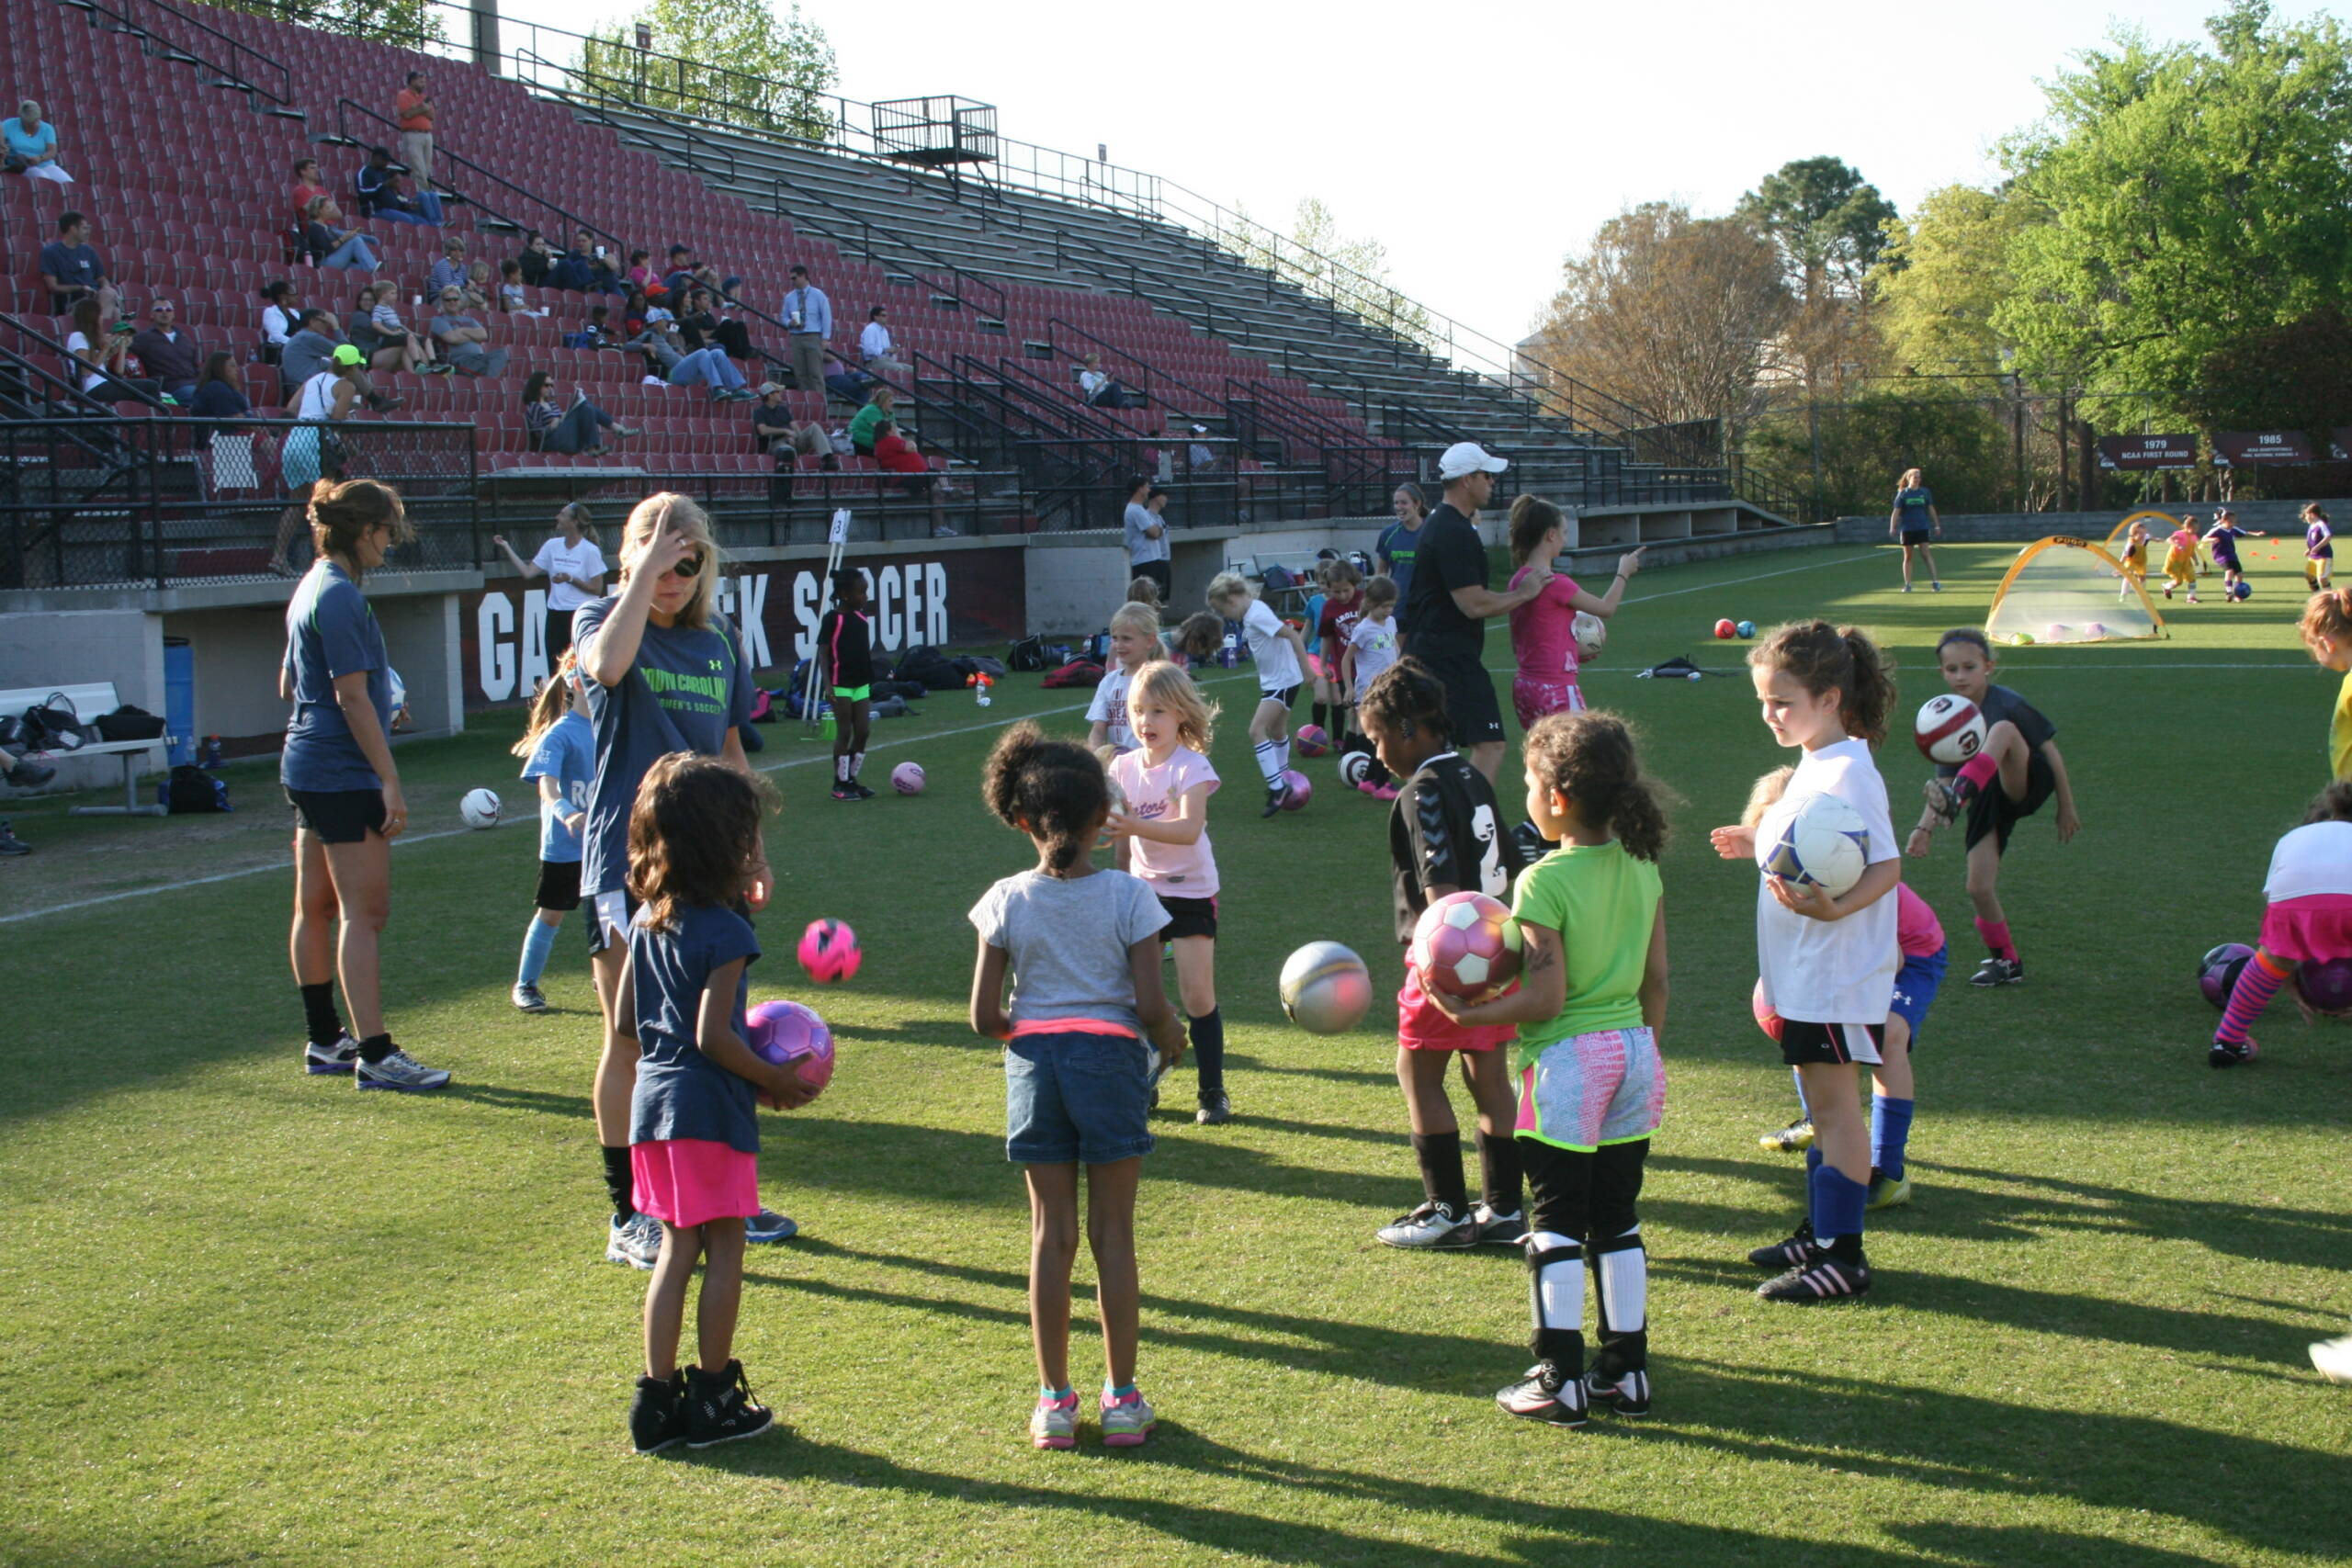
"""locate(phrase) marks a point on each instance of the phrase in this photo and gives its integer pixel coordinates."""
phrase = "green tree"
(409, 23)
(1352, 274)
(1826, 221)
(1942, 274)
(732, 61)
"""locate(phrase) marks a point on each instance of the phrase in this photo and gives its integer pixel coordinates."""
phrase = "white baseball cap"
(1466, 457)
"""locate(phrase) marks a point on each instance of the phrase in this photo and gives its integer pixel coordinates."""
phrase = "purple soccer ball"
(2217, 971)
(2326, 985)
(789, 1033)
(1301, 791)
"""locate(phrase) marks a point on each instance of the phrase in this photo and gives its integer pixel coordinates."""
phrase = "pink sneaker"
(1381, 792)
(1054, 1424)
(1126, 1420)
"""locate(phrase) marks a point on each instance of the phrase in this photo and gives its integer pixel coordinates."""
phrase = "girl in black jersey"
(845, 643)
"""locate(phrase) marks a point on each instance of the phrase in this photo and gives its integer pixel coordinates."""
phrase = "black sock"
(1323, 716)
(1499, 1166)
(318, 1006)
(1441, 1157)
(375, 1048)
(1846, 1248)
(620, 1183)
(1208, 1049)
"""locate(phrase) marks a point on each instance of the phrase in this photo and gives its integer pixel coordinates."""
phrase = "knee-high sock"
(538, 941)
(1621, 1286)
(1803, 1103)
(1976, 772)
(2257, 983)
(1499, 1166)
(1208, 1049)
(620, 1183)
(1323, 716)
(1837, 1203)
(1890, 1130)
(1556, 1299)
(1282, 755)
(1996, 939)
(1270, 762)
(1440, 1154)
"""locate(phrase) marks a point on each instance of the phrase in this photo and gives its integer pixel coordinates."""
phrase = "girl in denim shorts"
(1080, 944)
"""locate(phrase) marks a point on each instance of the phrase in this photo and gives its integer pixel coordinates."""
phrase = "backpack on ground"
(931, 668)
(980, 664)
(1027, 654)
(1077, 672)
(189, 788)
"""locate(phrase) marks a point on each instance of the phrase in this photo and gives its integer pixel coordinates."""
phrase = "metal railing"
(567, 229)
(251, 63)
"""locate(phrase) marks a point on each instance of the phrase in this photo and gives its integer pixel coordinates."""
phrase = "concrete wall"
(1991, 527)
(71, 646)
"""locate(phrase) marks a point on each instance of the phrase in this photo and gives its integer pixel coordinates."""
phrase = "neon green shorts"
(853, 694)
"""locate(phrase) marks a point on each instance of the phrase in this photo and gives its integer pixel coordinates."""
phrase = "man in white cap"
(1447, 608)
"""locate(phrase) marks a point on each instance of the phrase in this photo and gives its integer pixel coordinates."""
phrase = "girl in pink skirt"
(2309, 918)
(1542, 630)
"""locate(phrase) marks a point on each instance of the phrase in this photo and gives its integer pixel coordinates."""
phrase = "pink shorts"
(689, 1180)
(2318, 925)
(1532, 699)
(1420, 1026)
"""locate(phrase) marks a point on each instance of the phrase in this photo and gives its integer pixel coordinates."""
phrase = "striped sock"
(1270, 762)
(2257, 983)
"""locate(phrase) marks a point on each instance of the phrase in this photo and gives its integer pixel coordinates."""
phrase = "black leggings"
(559, 635)
(1581, 1196)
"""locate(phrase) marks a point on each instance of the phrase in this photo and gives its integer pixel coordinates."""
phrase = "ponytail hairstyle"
(1144, 621)
(1200, 636)
(1531, 517)
(342, 511)
(1406, 698)
(1975, 640)
(2332, 804)
(1589, 758)
(1413, 492)
(647, 519)
(1766, 795)
(1159, 682)
(1055, 791)
(1910, 480)
(1822, 657)
(2315, 512)
(1226, 587)
(693, 835)
(582, 519)
(552, 701)
(2328, 615)
(1144, 591)
(1381, 589)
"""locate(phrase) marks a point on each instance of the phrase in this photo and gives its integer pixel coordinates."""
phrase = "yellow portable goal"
(2062, 590)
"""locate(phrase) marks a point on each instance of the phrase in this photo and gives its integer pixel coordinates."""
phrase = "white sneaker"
(401, 1071)
(338, 1057)
(636, 1241)
(1499, 1230)
(2334, 1358)
(1429, 1226)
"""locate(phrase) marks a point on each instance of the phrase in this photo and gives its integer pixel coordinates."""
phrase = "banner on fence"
(2147, 451)
(2259, 448)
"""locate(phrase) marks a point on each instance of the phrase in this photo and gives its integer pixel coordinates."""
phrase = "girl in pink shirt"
(1542, 630)
(1163, 838)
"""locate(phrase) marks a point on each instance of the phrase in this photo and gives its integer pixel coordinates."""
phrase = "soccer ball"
(1313, 740)
(1301, 790)
(2056, 631)
(398, 694)
(907, 778)
(1591, 633)
(1726, 629)
(2217, 971)
(1354, 768)
(1823, 842)
(1949, 730)
(1325, 988)
(479, 809)
(1467, 945)
(828, 951)
(1766, 1019)
(1746, 628)
(789, 1034)
(2326, 985)
(2241, 590)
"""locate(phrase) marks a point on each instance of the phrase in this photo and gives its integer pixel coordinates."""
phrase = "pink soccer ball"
(828, 951)
(907, 778)
(1766, 1019)
(1301, 791)
(1467, 945)
(791, 1035)
(1313, 740)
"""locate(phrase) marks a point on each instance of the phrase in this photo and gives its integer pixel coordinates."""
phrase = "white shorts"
(612, 914)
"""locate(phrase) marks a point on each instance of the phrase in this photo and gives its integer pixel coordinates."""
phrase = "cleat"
(2238, 1055)
(843, 792)
(1544, 1395)
(1998, 972)
(401, 1071)
(721, 1409)
(9, 843)
(1826, 1279)
(1947, 798)
(657, 1417)
(768, 1225)
(1498, 1230)
(1433, 1226)
(1216, 1108)
(1796, 1252)
(339, 1057)
(1887, 1192)
(860, 790)
(1275, 795)
(1054, 1424)
(2334, 1358)
(531, 999)
(1126, 1420)
(636, 1241)
(1935, 587)
(1629, 1396)
(1793, 1139)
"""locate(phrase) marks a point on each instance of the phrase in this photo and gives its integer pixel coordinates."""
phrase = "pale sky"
(1480, 142)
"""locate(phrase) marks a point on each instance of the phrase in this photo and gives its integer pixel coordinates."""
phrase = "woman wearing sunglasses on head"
(663, 673)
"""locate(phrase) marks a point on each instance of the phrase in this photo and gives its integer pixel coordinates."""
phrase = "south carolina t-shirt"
(681, 1093)
(330, 632)
(1277, 661)
(1109, 707)
(1174, 870)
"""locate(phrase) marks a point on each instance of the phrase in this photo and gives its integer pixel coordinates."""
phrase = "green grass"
(257, 1317)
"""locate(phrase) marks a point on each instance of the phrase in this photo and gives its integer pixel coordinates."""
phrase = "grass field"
(257, 1317)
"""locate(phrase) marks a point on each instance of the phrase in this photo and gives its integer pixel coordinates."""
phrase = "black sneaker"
(531, 999)
(10, 844)
(1275, 795)
(657, 1417)
(27, 775)
(1796, 1252)
(1544, 1395)
(2227, 1055)
(719, 1407)
(1826, 1279)
(863, 793)
(1499, 1230)
(843, 792)
(1628, 1394)
(1216, 1108)
(1998, 972)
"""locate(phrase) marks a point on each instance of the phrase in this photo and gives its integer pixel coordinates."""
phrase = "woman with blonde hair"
(1913, 522)
(662, 671)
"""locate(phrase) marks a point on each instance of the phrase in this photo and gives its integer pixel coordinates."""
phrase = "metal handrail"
(18, 326)
(228, 78)
(441, 152)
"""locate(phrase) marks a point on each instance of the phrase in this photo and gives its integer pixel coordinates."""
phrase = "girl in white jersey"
(1280, 653)
(1828, 963)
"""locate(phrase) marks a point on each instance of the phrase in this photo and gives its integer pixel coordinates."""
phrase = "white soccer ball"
(1325, 988)
(1950, 728)
(1354, 768)
(479, 809)
(1823, 842)
(1591, 633)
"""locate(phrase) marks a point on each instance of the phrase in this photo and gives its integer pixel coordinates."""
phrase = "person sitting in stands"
(280, 319)
(850, 386)
(511, 297)
(32, 146)
(218, 395)
(776, 431)
(384, 192)
(311, 349)
(701, 324)
(449, 272)
(396, 347)
(101, 350)
(461, 337)
(586, 268)
(670, 361)
(168, 351)
(72, 271)
(481, 294)
(309, 184)
(640, 275)
(875, 344)
(881, 407)
(895, 453)
(331, 244)
(536, 259)
(574, 431)
(1101, 392)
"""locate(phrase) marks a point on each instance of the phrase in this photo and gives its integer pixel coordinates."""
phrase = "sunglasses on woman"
(690, 567)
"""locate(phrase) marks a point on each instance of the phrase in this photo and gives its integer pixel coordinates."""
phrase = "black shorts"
(1282, 695)
(559, 635)
(1473, 714)
(337, 815)
(1159, 571)
(1991, 810)
(1814, 1045)
(559, 885)
(1915, 535)
(1188, 916)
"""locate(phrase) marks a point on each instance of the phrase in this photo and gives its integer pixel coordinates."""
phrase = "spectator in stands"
(641, 276)
(882, 405)
(588, 267)
(395, 346)
(72, 271)
(413, 112)
(536, 259)
(101, 350)
(449, 272)
(895, 453)
(311, 348)
(873, 344)
(329, 243)
(1198, 455)
(670, 361)
(809, 318)
(461, 338)
(511, 297)
(481, 294)
(1101, 392)
(1146, 538)
(700, 325)
(308, 184)
(850, 386)
(1400, 542)
(330, 396)
(573, 431)
(385, 193)
(280, 319)
(32, 146)
(218, 395)
(776, 431)
(169, 351)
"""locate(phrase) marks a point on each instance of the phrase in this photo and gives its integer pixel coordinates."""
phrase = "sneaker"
(1906, 588)
(657, 1417)
(1998, 972)
(636, 1241)
(339, 1057)
(1381, 792)
(531, 999)
(721, 1409)
(1126, 1420)
(1887, 1192)
(1935, 587)
(1544, 1395)
(1946, 799)
(10, 844)
(1430, 1226)
(26, 775)
(768, 1225)
(1796, 1252)
(1054, 1424)
(863, 793)
(2225, 1055)
(1215, 1109)
(1826, 1279)
(2334, 1358)
(401, 1071)
(1498, 1230)
(2192, 598)
(1628, 1396)
(1793, 1139)
(1275, 795)
(843, 792)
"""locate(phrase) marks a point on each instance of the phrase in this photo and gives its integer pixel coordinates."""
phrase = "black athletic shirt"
(1450, 555)
(845, 640)
(1445, 829)
(2000, 703)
